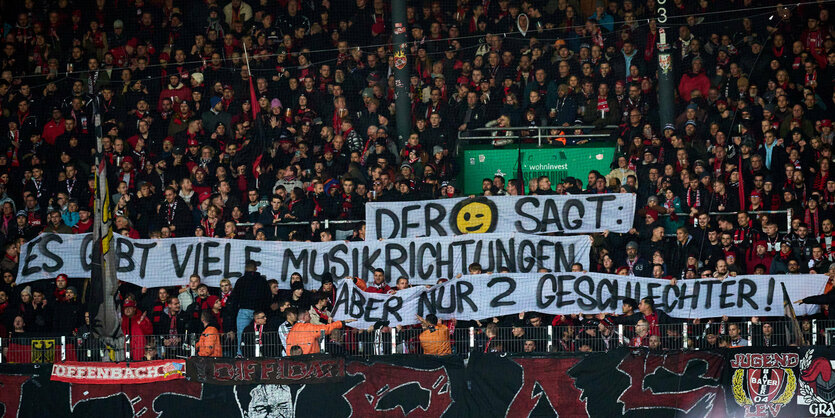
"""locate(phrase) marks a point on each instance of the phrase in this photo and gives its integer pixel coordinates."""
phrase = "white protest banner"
(170, 262)
(485, 296)
(575, 214)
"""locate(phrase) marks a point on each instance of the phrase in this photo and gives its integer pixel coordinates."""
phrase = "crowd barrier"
(784, 224)
(558, 133)
(592, 336)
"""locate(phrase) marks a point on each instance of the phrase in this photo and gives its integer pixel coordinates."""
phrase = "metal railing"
(585, 336)
(787, 212)
(339, 231)
(538, 132)
(326, 223)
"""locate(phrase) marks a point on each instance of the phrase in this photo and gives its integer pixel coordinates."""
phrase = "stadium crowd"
(189, 153)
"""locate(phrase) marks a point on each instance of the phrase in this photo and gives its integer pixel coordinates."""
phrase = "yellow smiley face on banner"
(477, 215)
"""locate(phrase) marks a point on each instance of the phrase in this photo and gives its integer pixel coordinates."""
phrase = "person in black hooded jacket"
(630, 316)
(251, 294)
(68, 314)
(824, 299)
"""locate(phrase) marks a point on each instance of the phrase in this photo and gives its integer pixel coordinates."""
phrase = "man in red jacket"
(379, 285)
(176, 91)
(54, 128)
(758, 255)
(696, 79)
(135, 326)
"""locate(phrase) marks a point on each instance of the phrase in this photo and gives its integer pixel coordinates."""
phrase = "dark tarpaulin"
(643, 383)
(785, 382)
(616, 383)
(390, 386)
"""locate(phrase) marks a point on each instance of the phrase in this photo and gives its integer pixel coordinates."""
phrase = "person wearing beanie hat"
(780, 263)
(328, 288)
(215, 115)
(211, 301)
(327, 277)
(69, 314)
(299, 297)
(695, 79)
(758, 255)
(652, 214)
(275, 103)
(60, 290)
(637, 265)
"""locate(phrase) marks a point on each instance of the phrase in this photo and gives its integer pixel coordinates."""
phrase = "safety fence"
(341, 228)
(587, 336)
(547, 134)
(784, 222)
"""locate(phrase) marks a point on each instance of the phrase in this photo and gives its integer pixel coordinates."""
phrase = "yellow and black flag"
(104, 284)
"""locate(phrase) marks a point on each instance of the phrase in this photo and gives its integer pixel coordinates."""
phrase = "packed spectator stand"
(190, 155)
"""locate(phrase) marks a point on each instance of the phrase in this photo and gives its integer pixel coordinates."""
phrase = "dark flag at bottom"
(792, 326)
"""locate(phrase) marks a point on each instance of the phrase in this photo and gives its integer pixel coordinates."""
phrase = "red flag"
(253, 99)
(742, 199)
(255, 165)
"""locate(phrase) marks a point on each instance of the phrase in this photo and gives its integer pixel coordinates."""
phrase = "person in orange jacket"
(306, 335)
(435, 336)
(209, 343)
(360, 283)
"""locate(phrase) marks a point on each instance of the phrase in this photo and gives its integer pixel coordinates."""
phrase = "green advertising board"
(478, 162)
